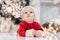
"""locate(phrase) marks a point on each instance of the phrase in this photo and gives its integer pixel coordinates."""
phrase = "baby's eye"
(30, 12)
(25, 12)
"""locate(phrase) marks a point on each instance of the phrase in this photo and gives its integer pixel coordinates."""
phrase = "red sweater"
(24, 26)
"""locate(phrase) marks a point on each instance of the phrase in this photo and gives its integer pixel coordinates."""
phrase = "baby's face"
(28, 14)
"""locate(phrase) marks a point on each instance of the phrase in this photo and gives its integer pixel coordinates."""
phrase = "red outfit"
(24, 26)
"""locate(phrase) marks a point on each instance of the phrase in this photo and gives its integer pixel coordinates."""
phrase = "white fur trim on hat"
(27, 7)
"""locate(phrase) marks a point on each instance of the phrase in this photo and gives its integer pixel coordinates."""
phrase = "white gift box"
(5, 25)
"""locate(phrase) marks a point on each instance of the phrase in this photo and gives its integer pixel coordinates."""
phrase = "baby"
(28, 27)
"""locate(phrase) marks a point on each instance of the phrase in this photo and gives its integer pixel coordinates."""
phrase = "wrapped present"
(5, 25)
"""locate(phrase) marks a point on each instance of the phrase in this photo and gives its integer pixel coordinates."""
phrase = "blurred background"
(10, 13)
(47, 13)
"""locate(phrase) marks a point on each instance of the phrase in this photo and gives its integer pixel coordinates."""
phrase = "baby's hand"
(30, 32)
(33, 32)
(38, 34)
